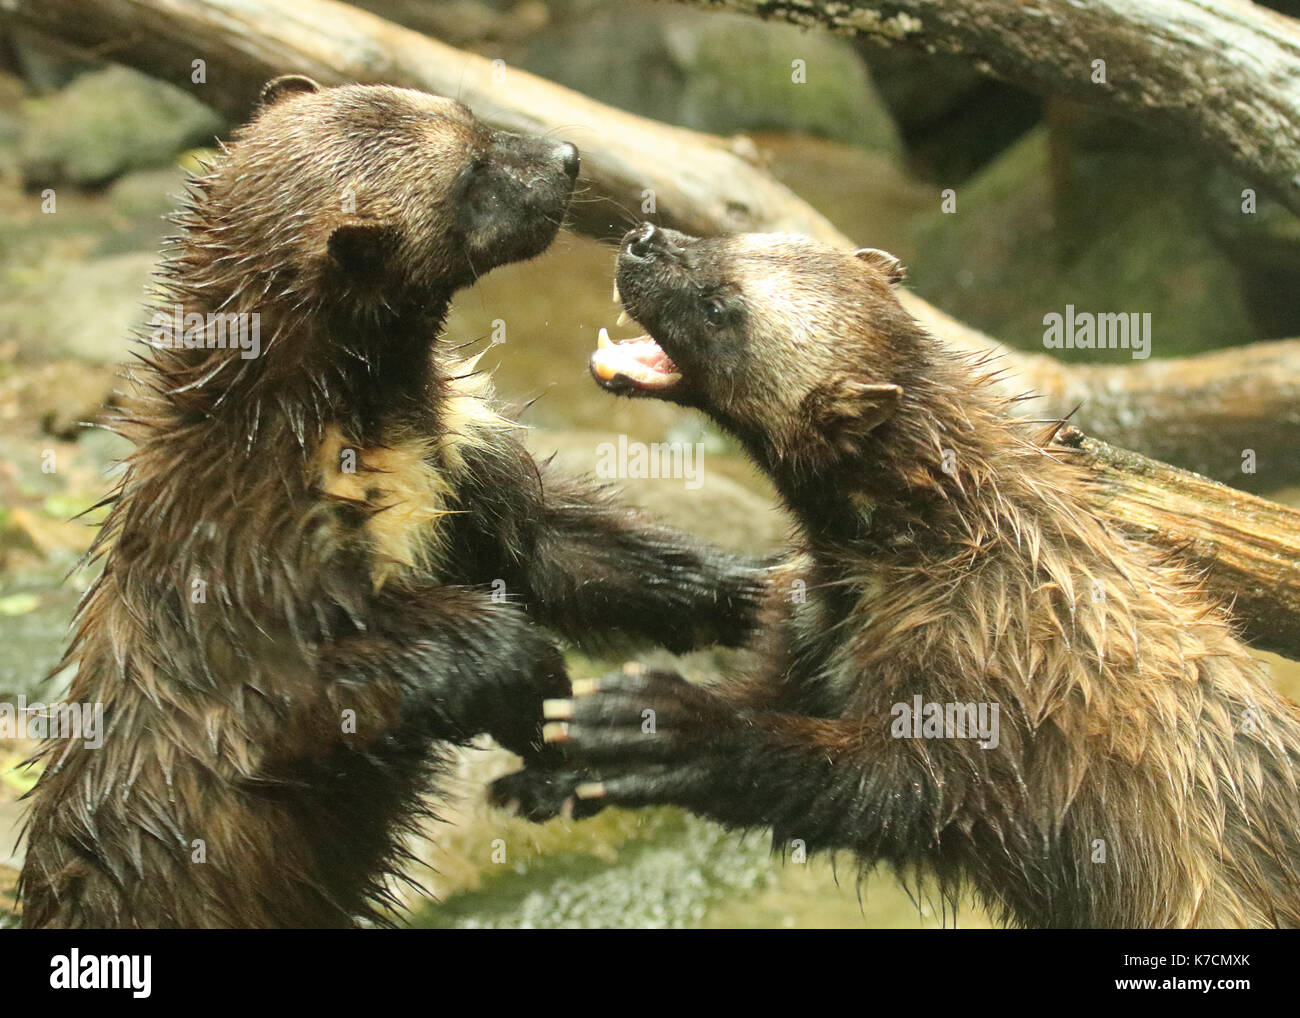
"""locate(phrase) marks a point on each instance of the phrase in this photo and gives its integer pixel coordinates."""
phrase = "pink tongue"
(652, 355)
(640, 360)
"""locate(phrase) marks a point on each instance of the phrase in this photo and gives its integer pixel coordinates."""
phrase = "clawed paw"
(536, 794)
(635, 716)
(629, 738)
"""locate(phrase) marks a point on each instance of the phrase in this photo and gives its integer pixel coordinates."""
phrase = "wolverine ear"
(362, 248)
(883, 262)
(277, 88)
(844, 411)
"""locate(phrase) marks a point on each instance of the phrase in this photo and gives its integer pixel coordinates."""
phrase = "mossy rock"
(85, 310)
(107, 123)
(1125, 237)
(1263, 239)
(720, 73)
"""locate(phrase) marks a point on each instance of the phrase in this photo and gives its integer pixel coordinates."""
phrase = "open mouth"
(632, 364)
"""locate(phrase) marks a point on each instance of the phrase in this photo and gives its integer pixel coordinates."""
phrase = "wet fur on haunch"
(949, 551)
(297, 612)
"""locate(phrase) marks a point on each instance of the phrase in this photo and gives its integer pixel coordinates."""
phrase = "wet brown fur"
(191, 690)
(255, 590)
(951, 551)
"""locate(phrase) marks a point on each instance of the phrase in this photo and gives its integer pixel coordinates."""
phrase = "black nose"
(570, 159)
(641, 242)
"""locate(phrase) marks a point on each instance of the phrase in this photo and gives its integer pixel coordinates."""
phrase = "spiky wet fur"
(252, 594)
(1146, 774)
(1126, 703)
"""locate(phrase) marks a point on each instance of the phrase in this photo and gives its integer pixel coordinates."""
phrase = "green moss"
(723, 73)
(106, 123)
(666, 878)
(1124, 237)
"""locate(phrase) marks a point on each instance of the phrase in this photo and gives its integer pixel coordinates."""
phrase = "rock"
(1121, 234)
(147, 194)
(463, 23)
(720, 73)
(106, 123)
(84, 310)
(142, 203)
(58, 396)
(1264, 245)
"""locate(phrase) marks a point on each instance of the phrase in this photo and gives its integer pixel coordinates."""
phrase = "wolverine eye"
(713, 310)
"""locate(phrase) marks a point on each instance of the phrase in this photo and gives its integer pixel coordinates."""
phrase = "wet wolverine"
(298, 606)
(1144, 773)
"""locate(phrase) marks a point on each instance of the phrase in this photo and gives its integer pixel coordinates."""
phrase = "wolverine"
(979, 681)
(298, 610)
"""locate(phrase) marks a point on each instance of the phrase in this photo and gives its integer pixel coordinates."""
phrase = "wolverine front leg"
(604, 575)
(449, 663)
(655, 739)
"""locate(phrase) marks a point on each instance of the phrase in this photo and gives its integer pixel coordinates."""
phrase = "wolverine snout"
(641, 242)
(648, 241)
(568, 156)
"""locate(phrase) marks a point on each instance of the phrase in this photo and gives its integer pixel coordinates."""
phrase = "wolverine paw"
(630, 738)
(635, 717)
(689, 785)
(538, 794)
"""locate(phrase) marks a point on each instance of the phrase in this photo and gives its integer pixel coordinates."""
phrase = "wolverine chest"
(390, 498)
(395, 497)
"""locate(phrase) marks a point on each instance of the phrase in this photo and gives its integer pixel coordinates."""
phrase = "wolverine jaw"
(637, 365)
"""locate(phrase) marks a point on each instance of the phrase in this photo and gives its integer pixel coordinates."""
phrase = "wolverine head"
(389, 191)
(785, 341)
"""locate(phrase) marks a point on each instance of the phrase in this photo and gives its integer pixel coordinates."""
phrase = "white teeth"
(617, 298)
(623, 318)
(602, 339)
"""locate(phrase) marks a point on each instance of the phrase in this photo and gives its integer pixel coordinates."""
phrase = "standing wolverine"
(302, 562)
(1144, 774)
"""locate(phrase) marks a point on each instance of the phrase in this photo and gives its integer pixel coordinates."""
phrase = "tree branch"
(1248, 547)
(1244, 398)
(1218, 74)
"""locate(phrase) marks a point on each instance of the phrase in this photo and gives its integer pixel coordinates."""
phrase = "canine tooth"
(617, 298)
(623, 318)
(602, 339)
(557, 710)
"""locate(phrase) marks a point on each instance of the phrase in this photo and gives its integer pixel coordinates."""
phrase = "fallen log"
(1248, 547)
(1231, 414)
(1220, 75)
(1246, 398)
(706, 185)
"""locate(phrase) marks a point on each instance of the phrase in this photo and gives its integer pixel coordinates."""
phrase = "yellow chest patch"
(407, 484)
(400, 488)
